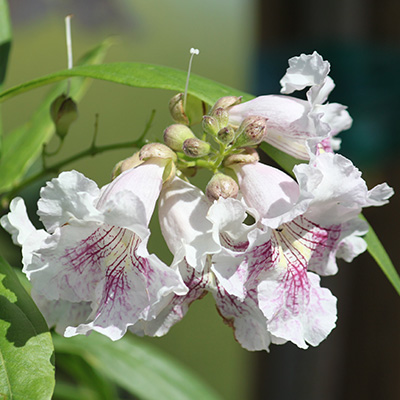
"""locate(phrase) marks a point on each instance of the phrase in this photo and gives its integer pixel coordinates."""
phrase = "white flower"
(92, 262)
(194, 240)
(301, 227)
(190, 237)
(294, 124)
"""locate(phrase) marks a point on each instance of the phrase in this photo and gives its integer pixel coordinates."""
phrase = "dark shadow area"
(23, 315)
(360, 39)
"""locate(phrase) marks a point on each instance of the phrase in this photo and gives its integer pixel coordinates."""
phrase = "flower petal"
(298, 309)
(182, 213)
(145, 181)
(336, 116)
(17, 223)
(338, 189)
(111, 269)
(174, 306)
(61, 313)
(246, 319)
(305, 70)
(24, 234)
(274, 194)
(227, 216)
(69, 196)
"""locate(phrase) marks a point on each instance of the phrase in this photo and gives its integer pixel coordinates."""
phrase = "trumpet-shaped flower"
(292, 122)
(302, 227)
(91, 262)
(264, 276)
(190, 237)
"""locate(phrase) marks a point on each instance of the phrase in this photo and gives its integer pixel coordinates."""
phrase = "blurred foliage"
(201, 340)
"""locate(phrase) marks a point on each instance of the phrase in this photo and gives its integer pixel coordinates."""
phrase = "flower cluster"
(90, 268)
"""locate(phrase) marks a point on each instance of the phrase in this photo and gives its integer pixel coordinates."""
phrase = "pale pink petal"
(336, 116)
(290, 122)
(305, 70)
(182, 213)
(69, 196)
(297, 308)
(145, 181)
(98, 255)
(379, 195)
(61, 313)
(245, 317)
(17, 223)
(318, 94)
(122, 285)
(337, 241)
(339, 191)
(24, 234)
(174, 306)
(227, 217)
(274, 194)
(277, 269)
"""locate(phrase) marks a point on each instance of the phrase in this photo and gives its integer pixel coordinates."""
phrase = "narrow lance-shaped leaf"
(5, 45)
(86, 379)
(380, 255)
(5, 39)
(137, 75)
(137, 367)
(26, 348)
(23, 146)
(152, 76)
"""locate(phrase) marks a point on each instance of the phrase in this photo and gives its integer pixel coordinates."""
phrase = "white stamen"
(69, 46)
(69, 41)
(192, 52)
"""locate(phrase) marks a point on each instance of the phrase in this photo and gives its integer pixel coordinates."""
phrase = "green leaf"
(286, 161)
(137, 75)
(153, 76)
(87, 378)
(5, 39)
(138, 368)
(26, 348)
(380, 255)
(5, 45)
(23, 146)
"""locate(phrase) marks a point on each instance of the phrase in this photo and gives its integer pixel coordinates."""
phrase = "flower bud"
(210, 125)
(222, 117)
(64, 112)
(251, 131)
(175, 135)
(195, 148)
(156, 150)
(226, 102)
(221, 185)
(195, 109)
(248, 156)
(226, 135)
(124, 165)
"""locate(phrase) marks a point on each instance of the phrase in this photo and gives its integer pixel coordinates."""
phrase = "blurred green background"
(143, 33)
(244, 44)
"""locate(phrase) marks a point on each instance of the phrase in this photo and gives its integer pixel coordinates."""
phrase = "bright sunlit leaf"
(5, 45)
(153, 76)
(26, 348)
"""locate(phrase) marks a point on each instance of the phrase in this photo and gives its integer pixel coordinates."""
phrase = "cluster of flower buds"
(220, 140)
(90, 268)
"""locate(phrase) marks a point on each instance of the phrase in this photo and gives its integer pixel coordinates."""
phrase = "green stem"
(91, 151)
